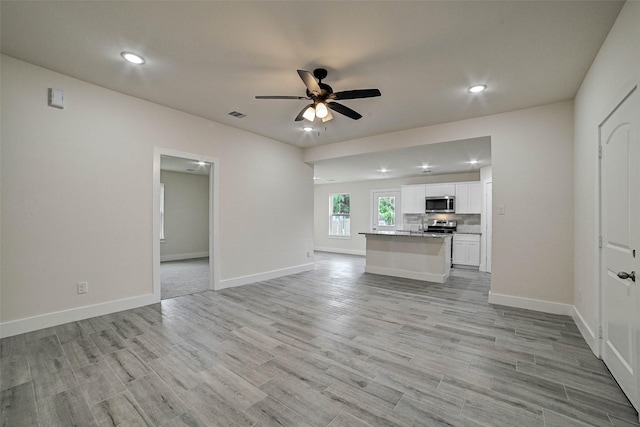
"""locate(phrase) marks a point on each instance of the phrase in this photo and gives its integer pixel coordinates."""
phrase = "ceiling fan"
(323, 98)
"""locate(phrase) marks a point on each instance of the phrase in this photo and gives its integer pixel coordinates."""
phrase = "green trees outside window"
(340, 220)
(387, 211)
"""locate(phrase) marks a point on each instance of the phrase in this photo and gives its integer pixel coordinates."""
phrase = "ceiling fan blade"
(310, 82)
(355, 94)
(344, 110)
(299, 117)
(280, 97)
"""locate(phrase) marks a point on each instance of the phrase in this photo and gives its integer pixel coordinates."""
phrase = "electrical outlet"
(308, 254)
(83, 287)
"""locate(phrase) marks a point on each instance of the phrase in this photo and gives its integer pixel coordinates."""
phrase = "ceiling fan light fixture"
(321, 110)
(328, 117)
(310, 114)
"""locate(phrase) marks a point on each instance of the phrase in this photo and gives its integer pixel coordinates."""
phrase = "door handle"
(625, 275)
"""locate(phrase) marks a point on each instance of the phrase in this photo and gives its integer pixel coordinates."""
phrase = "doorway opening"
(185, 223)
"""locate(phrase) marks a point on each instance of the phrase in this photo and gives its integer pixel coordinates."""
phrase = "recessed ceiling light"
(473, 162)
(202, 163)
(383, 170)
(477, 88)
(307, 128)
(134, 58)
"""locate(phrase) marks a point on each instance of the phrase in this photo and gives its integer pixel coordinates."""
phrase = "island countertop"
(400, 233)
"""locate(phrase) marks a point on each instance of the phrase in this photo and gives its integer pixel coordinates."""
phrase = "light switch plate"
(500, 209)
(56, 98)
(83, 287)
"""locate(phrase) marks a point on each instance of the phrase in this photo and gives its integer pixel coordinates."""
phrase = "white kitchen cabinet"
(475, 197)
(413, 199)
(466, 249)
(468, 198)
(437, 190)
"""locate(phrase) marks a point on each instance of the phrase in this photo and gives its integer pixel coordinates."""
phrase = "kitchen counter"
(412, 255)
(407, 234)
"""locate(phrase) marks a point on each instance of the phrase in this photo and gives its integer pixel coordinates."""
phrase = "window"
(161, 211)
(340, 221)
(387, 211)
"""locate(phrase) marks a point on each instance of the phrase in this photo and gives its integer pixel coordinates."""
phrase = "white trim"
(531, 304)
(268, 275)
(29, 324)
(416, 275)
(589, 336)
(178, 257)
(340, 251)
(214, 222)
(485, 219)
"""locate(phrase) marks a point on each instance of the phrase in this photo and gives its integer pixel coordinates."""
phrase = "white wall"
(77, 190)
(532, 163)
(361, 208)
(618, 59)
(186, 216)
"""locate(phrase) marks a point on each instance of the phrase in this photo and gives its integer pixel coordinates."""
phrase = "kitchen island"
(412, 255)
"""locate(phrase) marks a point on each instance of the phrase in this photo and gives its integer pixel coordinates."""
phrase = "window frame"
(332, 215)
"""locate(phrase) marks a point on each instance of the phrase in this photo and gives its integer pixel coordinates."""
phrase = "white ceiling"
(210, 58)
(443, 158)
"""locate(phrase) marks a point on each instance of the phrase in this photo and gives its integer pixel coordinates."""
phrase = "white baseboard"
(178, 257)
(253, 278)
(29, 324)
(340, 251)
(416, 275)
(531, 304)
(588, 335)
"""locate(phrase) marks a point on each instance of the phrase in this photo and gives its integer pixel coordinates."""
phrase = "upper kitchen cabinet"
(468, 198)
(437, 190)
(413, 199)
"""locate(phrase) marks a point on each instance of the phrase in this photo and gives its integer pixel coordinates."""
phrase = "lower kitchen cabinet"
(466, 249)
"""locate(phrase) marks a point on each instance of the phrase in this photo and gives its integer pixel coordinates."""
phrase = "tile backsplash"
(469, 223)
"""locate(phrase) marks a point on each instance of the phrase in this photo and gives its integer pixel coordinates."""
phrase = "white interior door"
(386, 211)
(620, 229)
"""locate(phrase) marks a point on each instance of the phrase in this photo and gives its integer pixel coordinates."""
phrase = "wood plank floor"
(184, 277)
(330, 347)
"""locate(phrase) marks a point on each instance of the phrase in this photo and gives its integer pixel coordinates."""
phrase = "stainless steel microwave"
(441, 204)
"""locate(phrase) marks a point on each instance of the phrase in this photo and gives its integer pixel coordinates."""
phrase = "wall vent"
(237, 114)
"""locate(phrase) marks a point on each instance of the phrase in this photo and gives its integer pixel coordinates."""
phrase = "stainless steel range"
(441, 226)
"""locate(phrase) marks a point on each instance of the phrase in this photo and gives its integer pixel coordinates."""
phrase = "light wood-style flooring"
(330, 347)
(184, 277)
